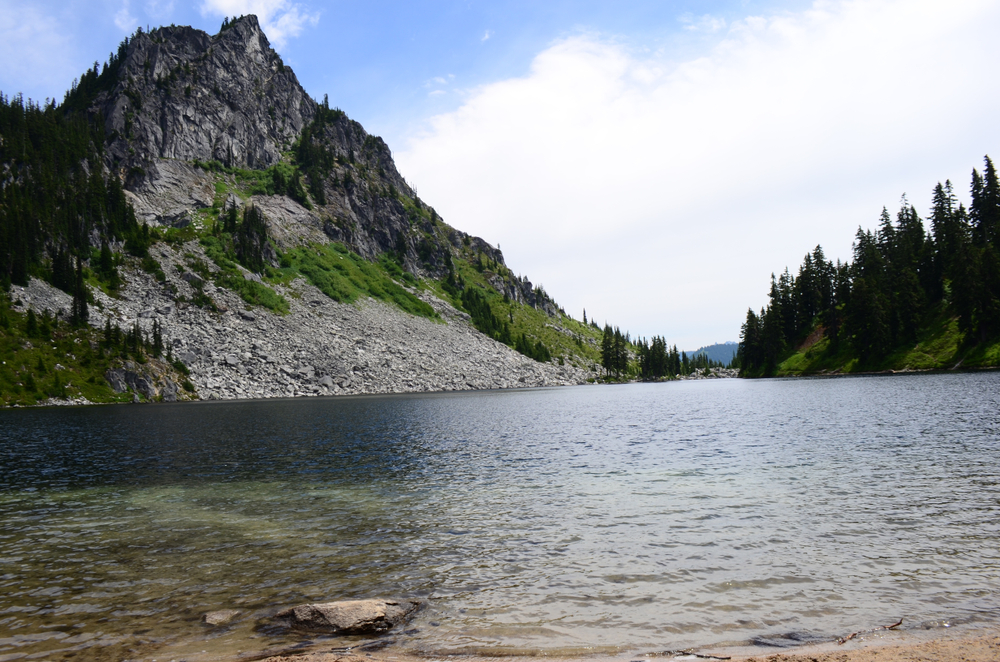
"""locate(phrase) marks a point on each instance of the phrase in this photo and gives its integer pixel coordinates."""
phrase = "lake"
(569, 520)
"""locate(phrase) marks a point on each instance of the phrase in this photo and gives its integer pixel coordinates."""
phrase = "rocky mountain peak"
(184, 94)
(176, 99)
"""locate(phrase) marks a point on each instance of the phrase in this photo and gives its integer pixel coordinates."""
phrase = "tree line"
(899, 273)
(56, 205)
(650, 360)
(476, 303)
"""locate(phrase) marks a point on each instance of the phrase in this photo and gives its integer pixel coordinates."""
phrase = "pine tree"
(620, 359)
(157, 339)
(608, 350)
(772, 340)
(988, 213)
(749, 352)
(80, 313)
(106, 267)
(31, 324)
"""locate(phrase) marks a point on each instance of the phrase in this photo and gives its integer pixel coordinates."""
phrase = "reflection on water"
(660, 516)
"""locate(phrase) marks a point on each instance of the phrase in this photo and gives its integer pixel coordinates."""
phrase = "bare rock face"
(170, 192)
(183, 94)
(367, 617)
(152, 380)
(290, 224)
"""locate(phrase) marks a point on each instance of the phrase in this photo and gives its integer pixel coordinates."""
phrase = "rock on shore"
(349, 617)
(713, 373)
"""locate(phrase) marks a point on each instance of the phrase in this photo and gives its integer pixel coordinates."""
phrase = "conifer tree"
(749, 352)
(607, 349)
(157, 339)
(80, 312)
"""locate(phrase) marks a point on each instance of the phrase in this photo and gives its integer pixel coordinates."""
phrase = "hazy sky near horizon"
(653, 162)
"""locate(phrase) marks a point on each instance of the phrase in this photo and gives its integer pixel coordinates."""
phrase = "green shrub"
(230, 277)
(344, 276)
(151, 266)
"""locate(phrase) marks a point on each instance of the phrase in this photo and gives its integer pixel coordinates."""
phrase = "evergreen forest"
(915, 296)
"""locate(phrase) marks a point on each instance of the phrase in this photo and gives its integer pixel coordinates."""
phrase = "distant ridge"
(722, 351)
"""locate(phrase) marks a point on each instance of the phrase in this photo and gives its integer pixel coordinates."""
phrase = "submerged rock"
(220, 617)
(349, 616)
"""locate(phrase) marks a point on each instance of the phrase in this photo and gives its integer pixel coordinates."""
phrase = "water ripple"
(667, 515)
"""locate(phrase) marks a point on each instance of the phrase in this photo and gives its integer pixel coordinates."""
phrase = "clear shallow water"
(657, 516)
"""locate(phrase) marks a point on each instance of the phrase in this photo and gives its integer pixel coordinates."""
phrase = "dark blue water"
(655, 516)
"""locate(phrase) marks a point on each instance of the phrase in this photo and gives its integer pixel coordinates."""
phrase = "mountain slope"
(911, 299)
(721, 352)
(252, 208)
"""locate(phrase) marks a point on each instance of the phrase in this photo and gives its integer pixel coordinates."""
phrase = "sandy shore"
(977, 646)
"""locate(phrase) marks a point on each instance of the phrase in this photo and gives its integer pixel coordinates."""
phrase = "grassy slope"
(940, 346)
(345, 276)
(33, 359)
(535, 324)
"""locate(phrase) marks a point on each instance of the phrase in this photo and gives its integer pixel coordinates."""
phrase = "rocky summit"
(250, 196)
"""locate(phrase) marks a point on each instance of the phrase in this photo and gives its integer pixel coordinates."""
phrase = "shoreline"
(81, 401)
(938, 645)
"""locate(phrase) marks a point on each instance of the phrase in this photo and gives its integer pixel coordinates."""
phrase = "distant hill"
(722, 351)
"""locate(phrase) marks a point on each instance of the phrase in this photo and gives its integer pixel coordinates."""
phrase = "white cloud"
(280, 19)
(705, 23)
(159, 9)
(124, 19)
(435, 84)
(661, 195)
(486, 35)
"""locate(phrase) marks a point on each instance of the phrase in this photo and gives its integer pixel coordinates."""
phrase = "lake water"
(650, 516)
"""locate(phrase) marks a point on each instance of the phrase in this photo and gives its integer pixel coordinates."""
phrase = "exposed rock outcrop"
(152, 380)
(183, 94)
(349, 617)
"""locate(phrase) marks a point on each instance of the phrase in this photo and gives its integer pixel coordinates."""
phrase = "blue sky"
(389, 64)
(653, 162)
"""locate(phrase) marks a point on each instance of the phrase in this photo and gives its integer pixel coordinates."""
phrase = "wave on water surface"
(658, 517)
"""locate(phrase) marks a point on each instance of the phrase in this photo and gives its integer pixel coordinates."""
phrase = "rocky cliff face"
(183, 94)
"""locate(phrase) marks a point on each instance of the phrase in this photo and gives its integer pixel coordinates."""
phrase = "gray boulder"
(220, 617)
(365, 617)
(123, 379)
